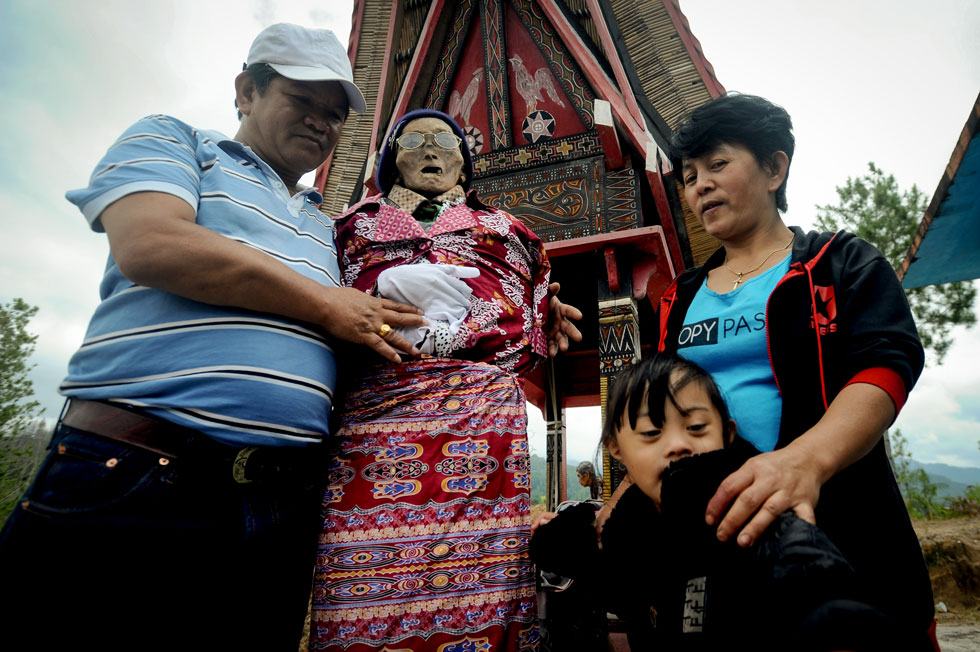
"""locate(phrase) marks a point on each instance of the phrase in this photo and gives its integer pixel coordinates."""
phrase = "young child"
(660, 568)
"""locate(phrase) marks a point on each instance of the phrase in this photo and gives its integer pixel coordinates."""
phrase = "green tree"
(918, 489)
(22, 437)
(873, 208)
(900, 459)
(17, 408)
(20, 455)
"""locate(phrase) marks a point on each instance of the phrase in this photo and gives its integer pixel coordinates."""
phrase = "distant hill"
(539, 480)
(956, 478)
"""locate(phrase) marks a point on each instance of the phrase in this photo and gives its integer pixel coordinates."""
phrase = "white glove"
(438, 290)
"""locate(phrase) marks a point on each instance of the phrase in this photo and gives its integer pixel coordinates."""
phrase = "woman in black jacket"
(811, 339)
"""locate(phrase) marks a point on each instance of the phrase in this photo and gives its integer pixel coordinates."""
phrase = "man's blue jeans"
(113, 548)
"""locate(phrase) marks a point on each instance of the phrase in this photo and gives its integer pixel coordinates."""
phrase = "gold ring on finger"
(384, 330)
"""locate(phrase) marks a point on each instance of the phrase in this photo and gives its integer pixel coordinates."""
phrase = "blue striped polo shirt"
(242, 377)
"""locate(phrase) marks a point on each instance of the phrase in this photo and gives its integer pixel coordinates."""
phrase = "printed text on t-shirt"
(707, 331)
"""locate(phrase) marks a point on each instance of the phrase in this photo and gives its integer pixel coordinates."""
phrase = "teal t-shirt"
(726, 335)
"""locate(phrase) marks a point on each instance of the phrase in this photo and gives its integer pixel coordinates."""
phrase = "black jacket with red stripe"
(837, 317)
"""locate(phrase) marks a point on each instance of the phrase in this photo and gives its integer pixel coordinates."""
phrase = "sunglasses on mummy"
(415, 139)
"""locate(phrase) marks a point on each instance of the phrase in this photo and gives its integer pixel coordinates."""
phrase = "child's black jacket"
(792, 590)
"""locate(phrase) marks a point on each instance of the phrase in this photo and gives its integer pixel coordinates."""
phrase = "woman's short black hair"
(652, 377)
(751, 121)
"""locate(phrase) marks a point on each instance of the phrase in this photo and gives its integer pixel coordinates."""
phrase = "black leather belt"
(174, 442)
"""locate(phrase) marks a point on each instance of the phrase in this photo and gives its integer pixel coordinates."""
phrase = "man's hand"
(359, 316)
(155, 242)
(559, 328)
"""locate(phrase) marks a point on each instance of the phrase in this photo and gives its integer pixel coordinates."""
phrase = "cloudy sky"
(876, 80)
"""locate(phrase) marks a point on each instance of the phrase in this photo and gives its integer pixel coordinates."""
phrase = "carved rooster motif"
(530, 87)
(461, 105)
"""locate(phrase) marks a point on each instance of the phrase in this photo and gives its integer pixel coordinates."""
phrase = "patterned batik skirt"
(426, 515)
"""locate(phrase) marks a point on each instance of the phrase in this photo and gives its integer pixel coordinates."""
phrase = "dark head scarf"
(388, 171)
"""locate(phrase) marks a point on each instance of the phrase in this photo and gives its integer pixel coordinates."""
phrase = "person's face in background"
(585, 479)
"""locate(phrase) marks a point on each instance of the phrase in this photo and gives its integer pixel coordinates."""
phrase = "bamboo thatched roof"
(674, 76)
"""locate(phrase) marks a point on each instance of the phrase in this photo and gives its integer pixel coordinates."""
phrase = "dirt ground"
(952, 551)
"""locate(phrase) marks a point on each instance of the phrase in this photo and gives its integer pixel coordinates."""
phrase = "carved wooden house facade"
(567, 107)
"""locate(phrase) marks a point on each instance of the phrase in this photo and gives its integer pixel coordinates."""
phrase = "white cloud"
(942, 416)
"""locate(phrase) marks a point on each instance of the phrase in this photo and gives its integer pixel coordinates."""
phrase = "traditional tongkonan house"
(567, 106)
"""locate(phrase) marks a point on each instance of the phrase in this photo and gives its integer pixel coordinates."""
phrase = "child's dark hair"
(653, 378)
(747, 120)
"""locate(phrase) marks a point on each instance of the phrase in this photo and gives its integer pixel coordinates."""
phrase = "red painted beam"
(593, 242)
(533, 385)
(603, 86)
(656, 180)
(357, 19)
(422, 46)
(604, 124)
(612, 272)
(599, 20)
(637, 132)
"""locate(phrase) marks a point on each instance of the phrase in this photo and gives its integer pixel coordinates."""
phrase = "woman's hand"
(763, 488)
(541, 519)
(791, 477)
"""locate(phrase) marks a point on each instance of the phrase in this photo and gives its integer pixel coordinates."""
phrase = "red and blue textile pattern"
(427, 514)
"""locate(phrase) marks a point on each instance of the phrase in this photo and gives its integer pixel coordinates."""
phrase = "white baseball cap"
(306, 55)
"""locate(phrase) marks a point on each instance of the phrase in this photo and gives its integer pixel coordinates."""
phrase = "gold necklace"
(737, 281)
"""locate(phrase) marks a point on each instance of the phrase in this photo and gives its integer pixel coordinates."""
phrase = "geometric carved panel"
(450, 56)
(619, 342)
(573, 199)
(621, 200)
(543, 153)
(558, 202)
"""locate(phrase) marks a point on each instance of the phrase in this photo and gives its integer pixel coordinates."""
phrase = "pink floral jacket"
(509, 305)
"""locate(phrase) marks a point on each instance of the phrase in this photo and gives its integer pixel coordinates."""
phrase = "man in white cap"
(178, 505)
